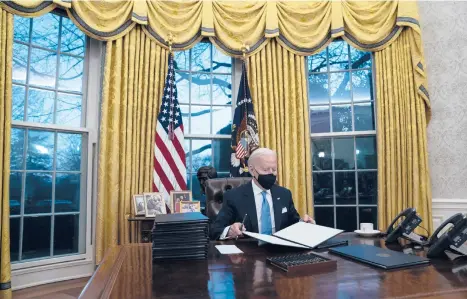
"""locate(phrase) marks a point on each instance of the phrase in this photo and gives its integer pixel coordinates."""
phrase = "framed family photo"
(138, 202)
(190, 206)
(176, 197)
(154, 204)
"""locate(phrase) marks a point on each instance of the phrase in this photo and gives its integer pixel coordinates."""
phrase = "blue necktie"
(266, 227)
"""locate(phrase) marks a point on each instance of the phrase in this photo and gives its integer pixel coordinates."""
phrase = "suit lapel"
(249, 198)
(276, 204)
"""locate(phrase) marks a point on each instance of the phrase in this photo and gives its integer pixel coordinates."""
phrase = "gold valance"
(303, 27)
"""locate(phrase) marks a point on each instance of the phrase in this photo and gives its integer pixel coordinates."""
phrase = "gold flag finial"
(245, 48)
(170, 40)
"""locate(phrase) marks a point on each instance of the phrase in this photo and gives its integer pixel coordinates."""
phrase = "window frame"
(189, 136)
(352, 134)
(89, 132)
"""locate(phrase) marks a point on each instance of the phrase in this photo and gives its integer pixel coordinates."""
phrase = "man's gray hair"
(259, 152)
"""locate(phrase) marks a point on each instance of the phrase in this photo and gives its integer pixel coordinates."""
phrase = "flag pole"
(171, 125)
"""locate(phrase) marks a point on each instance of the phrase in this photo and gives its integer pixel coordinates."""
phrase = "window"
(204, 85)
(49, 140)
(343, 136)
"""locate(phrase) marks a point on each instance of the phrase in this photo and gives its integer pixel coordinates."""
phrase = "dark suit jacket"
(241, 200)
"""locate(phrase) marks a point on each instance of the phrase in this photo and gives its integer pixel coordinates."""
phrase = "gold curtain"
(403, 176)
(135, 68)
(278, 83)
(6, 52)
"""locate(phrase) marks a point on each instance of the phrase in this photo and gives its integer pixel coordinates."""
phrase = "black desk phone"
(452, 239)
(405, 228)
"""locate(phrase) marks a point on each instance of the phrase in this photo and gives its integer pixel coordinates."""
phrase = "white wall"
(444, 27)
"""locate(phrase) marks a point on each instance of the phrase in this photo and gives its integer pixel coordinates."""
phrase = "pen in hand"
(243, 223)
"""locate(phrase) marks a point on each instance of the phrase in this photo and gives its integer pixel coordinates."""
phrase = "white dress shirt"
(257, 192)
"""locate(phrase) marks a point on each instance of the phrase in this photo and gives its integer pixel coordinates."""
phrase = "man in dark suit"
(269, 207)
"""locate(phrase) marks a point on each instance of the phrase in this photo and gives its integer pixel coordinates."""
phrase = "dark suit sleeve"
(293, 216)
(225, 217)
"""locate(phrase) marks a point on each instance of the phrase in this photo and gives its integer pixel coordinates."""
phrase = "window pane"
(201, 57)
(42, 69)
(21, 29)
(36, 237)
(41, 106)
(185, 117)
(344, 154)
(318, 62)
(368, 215)
(200, 120)
(364, 116)
(338, 55)
(17, 148)
(17, 107)
(45, 31)
(182, 60)
(318, 89)
(69, 152)
(14, 238)
(183, 86)
(345, 188)
(367, 187)
(67, 192)
(20, 63)
(186, 148)
(366, 152)
(341, 118)
(321, 149)
(324, 216)
(222, 120)
(68, 109)
(38, 197)
(16, 183)
(221, 151)
(322, 189)
(320, 119)
(339, 84)
(196, 189)
(73, 40)
(71, 73)
(360, 59)
(221, 63)
(346, 218)
(222, 90)
(201, 89)
(66, 234)
(200, 153)
(362, 86)
(40, 149)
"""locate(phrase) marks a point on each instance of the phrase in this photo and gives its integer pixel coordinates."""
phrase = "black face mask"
(266, 180)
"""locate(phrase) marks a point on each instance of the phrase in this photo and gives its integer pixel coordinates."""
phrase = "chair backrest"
(215, 189)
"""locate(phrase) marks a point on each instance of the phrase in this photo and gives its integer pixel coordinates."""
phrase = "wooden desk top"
(127, 272)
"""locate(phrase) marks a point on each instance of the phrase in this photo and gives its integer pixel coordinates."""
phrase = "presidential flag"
(244, 139)
(169, 155)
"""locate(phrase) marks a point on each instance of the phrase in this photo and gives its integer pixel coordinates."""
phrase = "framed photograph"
(190, 206)
(176, 197)
(138, 201)
(154, 204)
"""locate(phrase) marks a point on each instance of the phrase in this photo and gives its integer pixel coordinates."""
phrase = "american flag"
(169, 155)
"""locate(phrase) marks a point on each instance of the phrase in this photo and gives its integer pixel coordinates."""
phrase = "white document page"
(228, 249)
(272, 240)
(307, 234)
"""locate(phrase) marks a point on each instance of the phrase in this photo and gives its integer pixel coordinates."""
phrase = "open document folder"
(300, 234)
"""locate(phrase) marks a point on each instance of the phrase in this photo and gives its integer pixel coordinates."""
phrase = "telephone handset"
(405, 228)
(453, 239)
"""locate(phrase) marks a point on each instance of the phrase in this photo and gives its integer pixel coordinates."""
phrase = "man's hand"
(308, 219)
(235, 231)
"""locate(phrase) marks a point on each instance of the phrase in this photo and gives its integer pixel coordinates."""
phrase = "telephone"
(405, 228)
(453, 238)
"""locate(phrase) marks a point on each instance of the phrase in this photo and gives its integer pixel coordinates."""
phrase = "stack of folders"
(181, 236)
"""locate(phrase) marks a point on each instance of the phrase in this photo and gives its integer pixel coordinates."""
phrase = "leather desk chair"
(215, 189)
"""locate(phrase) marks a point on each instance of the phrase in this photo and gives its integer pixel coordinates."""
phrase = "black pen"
(241, 227)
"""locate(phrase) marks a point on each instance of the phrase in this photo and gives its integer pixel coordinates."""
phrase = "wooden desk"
(127, 272)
